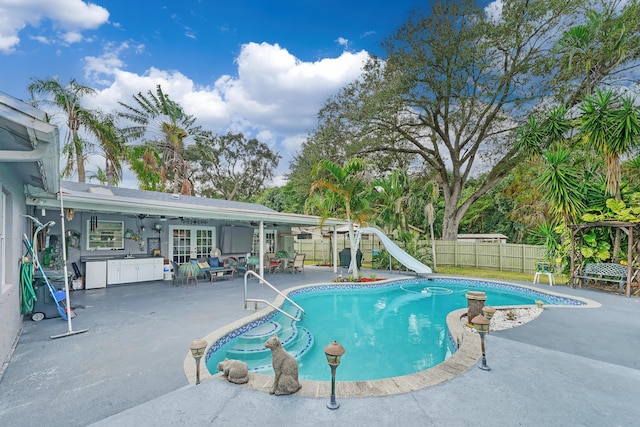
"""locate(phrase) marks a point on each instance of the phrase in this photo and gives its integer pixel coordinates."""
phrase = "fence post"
(500, 257)
(475, 249)
(455, 253)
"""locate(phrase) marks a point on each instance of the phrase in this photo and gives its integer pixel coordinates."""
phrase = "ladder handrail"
(256, 301)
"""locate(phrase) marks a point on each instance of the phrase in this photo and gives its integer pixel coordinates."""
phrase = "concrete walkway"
(569, 367)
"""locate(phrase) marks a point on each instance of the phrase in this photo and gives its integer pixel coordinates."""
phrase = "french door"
(270, 240)
(191, 242)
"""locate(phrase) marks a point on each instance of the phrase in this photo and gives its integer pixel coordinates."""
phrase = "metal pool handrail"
(256, 301)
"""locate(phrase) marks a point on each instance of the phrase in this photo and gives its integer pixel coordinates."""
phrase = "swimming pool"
(388, 329)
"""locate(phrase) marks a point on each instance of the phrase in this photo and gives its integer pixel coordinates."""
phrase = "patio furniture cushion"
(214, 262)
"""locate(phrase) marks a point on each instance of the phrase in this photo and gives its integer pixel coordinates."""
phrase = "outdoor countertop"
(91, 258)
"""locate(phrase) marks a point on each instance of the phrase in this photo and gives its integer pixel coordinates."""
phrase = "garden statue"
(285, 368)
(235, 371)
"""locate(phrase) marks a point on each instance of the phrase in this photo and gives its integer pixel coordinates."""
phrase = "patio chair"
(272, 264)
(298, 264)
(543, 268)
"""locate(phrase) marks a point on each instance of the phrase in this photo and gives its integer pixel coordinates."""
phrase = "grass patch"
(558, 279)
(496, 274)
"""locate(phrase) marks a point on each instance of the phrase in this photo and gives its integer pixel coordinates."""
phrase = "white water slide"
(397, 252)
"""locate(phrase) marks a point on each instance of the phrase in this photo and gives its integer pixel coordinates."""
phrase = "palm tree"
(99, 175)
(610, 124)
(103, 127)
(401, 203)
(394, 198)
(67, 98)
(162, 122)
(144, 161)
(347, 187)
(593, 50)
(560, 184)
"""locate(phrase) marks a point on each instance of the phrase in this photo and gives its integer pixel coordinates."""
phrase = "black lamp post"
(197, 348)
(481, 324)
(333, 351)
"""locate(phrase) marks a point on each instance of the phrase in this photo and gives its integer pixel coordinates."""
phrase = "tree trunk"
(433, 248)
(353, 266)
(450, 221)
(81, 172)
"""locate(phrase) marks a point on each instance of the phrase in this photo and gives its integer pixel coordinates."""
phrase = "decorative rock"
(285, 368)
(508, 318)
(235, 371)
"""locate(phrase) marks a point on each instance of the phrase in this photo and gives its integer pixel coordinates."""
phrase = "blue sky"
(262, 68)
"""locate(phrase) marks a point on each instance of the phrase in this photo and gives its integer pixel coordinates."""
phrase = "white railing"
(256, 301)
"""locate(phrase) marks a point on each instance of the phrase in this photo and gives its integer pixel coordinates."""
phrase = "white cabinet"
(113, 272)
(134, 270)
(96, 275)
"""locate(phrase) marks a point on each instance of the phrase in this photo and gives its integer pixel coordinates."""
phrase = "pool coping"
(464, 358)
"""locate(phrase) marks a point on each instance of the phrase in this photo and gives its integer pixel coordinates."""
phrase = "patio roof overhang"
(108, 203)
(29, 145)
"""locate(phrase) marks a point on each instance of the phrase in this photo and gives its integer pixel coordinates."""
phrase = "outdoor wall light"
(481, 324)
(197, 348)
(333, 351)
(158, 227)
(488, 312)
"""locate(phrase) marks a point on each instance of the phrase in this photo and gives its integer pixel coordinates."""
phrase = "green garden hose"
(26, 286)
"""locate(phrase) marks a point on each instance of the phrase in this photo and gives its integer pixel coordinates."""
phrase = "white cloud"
(494, 11)
(41, 39)
(105, 65)
(294, 142)
(343, 42)
(71, 37)
(68, 17)
(275, 97)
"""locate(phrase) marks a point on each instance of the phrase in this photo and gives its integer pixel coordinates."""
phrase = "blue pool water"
(387, 330)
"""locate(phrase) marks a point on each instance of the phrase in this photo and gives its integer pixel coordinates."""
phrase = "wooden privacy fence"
(486, 255)
(493, 256)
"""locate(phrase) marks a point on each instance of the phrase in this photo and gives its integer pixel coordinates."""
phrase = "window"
(105, 235)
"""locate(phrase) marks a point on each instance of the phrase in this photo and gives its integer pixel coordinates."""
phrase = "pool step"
(262, 332)
(298, 348)
(251, 343)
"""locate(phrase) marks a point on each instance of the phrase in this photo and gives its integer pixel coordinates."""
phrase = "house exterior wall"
(15, 226)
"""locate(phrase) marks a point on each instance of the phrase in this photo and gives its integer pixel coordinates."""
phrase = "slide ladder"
(397, 252)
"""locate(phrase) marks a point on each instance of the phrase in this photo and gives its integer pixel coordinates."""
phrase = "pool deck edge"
(465, 357)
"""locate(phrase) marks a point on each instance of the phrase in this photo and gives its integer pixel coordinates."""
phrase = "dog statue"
(285, 368)
(234, 370)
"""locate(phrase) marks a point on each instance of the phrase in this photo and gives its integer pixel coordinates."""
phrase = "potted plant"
(189, 269)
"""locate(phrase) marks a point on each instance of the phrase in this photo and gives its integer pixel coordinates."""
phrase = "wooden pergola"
(578, 230)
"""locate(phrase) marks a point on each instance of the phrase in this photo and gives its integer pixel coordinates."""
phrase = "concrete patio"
(570, 366)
